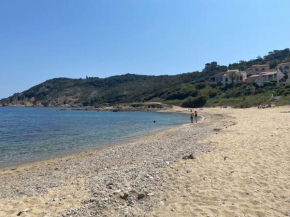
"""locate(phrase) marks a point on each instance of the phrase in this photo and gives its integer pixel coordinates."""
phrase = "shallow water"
(32, 134)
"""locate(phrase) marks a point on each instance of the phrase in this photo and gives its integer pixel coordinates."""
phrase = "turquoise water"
(32, 134)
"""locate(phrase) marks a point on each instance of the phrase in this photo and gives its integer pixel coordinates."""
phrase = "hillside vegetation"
(188, 89)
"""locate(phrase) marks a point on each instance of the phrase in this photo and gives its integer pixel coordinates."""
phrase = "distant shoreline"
(150, 107)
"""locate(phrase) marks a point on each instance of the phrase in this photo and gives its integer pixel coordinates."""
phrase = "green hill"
(95, 91)
(188, 89)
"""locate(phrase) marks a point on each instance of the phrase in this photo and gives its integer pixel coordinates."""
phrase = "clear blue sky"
(40, 40)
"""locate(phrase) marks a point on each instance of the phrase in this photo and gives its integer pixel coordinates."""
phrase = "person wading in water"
(195, 114)
(191, 117)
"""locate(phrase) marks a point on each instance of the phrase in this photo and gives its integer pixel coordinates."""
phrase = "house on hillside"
(256, 69)
(218, 77)
(285, 67)
(230, 76)
(262, 77)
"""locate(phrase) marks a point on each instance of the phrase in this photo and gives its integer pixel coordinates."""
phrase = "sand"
(248, 173)
(240, 167)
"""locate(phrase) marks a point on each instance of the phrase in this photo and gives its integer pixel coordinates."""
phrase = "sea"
(29, 134)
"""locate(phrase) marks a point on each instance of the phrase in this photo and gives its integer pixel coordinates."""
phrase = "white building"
(233, 76)
(263, 77)
(256, 69)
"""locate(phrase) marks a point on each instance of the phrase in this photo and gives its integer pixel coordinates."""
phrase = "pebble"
(140, 196)
(190, 156)
(124, 196)
(24, 211)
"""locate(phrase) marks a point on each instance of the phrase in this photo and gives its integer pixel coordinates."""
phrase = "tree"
(273, 64)
(213, 64)
(234, 77)
(210, 66)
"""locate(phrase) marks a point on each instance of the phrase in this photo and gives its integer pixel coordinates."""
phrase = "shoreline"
(152, 134)
(133, 107)
(71, 167)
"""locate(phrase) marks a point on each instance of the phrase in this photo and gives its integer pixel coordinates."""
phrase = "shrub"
(191, 102)
(212, 94)
(258, 91)
(286, 93)
(178, 95)
(194, 93)
(270, 84)
(135, 105)
(200, 86)
(219, 84)
(155, 106)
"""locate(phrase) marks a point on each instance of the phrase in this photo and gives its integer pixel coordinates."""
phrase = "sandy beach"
(234, 163)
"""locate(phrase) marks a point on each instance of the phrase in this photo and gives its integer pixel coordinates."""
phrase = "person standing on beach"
(191, 117)
(195, 114)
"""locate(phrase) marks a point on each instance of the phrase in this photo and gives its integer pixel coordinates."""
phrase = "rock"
(188, 171)
(117, 191)
(150, 194)
(130, 203)
(24, 211)
(124, 196)
(140, 196)
(191, 156)
(110, 183)
(149, 177)
(92, 200)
